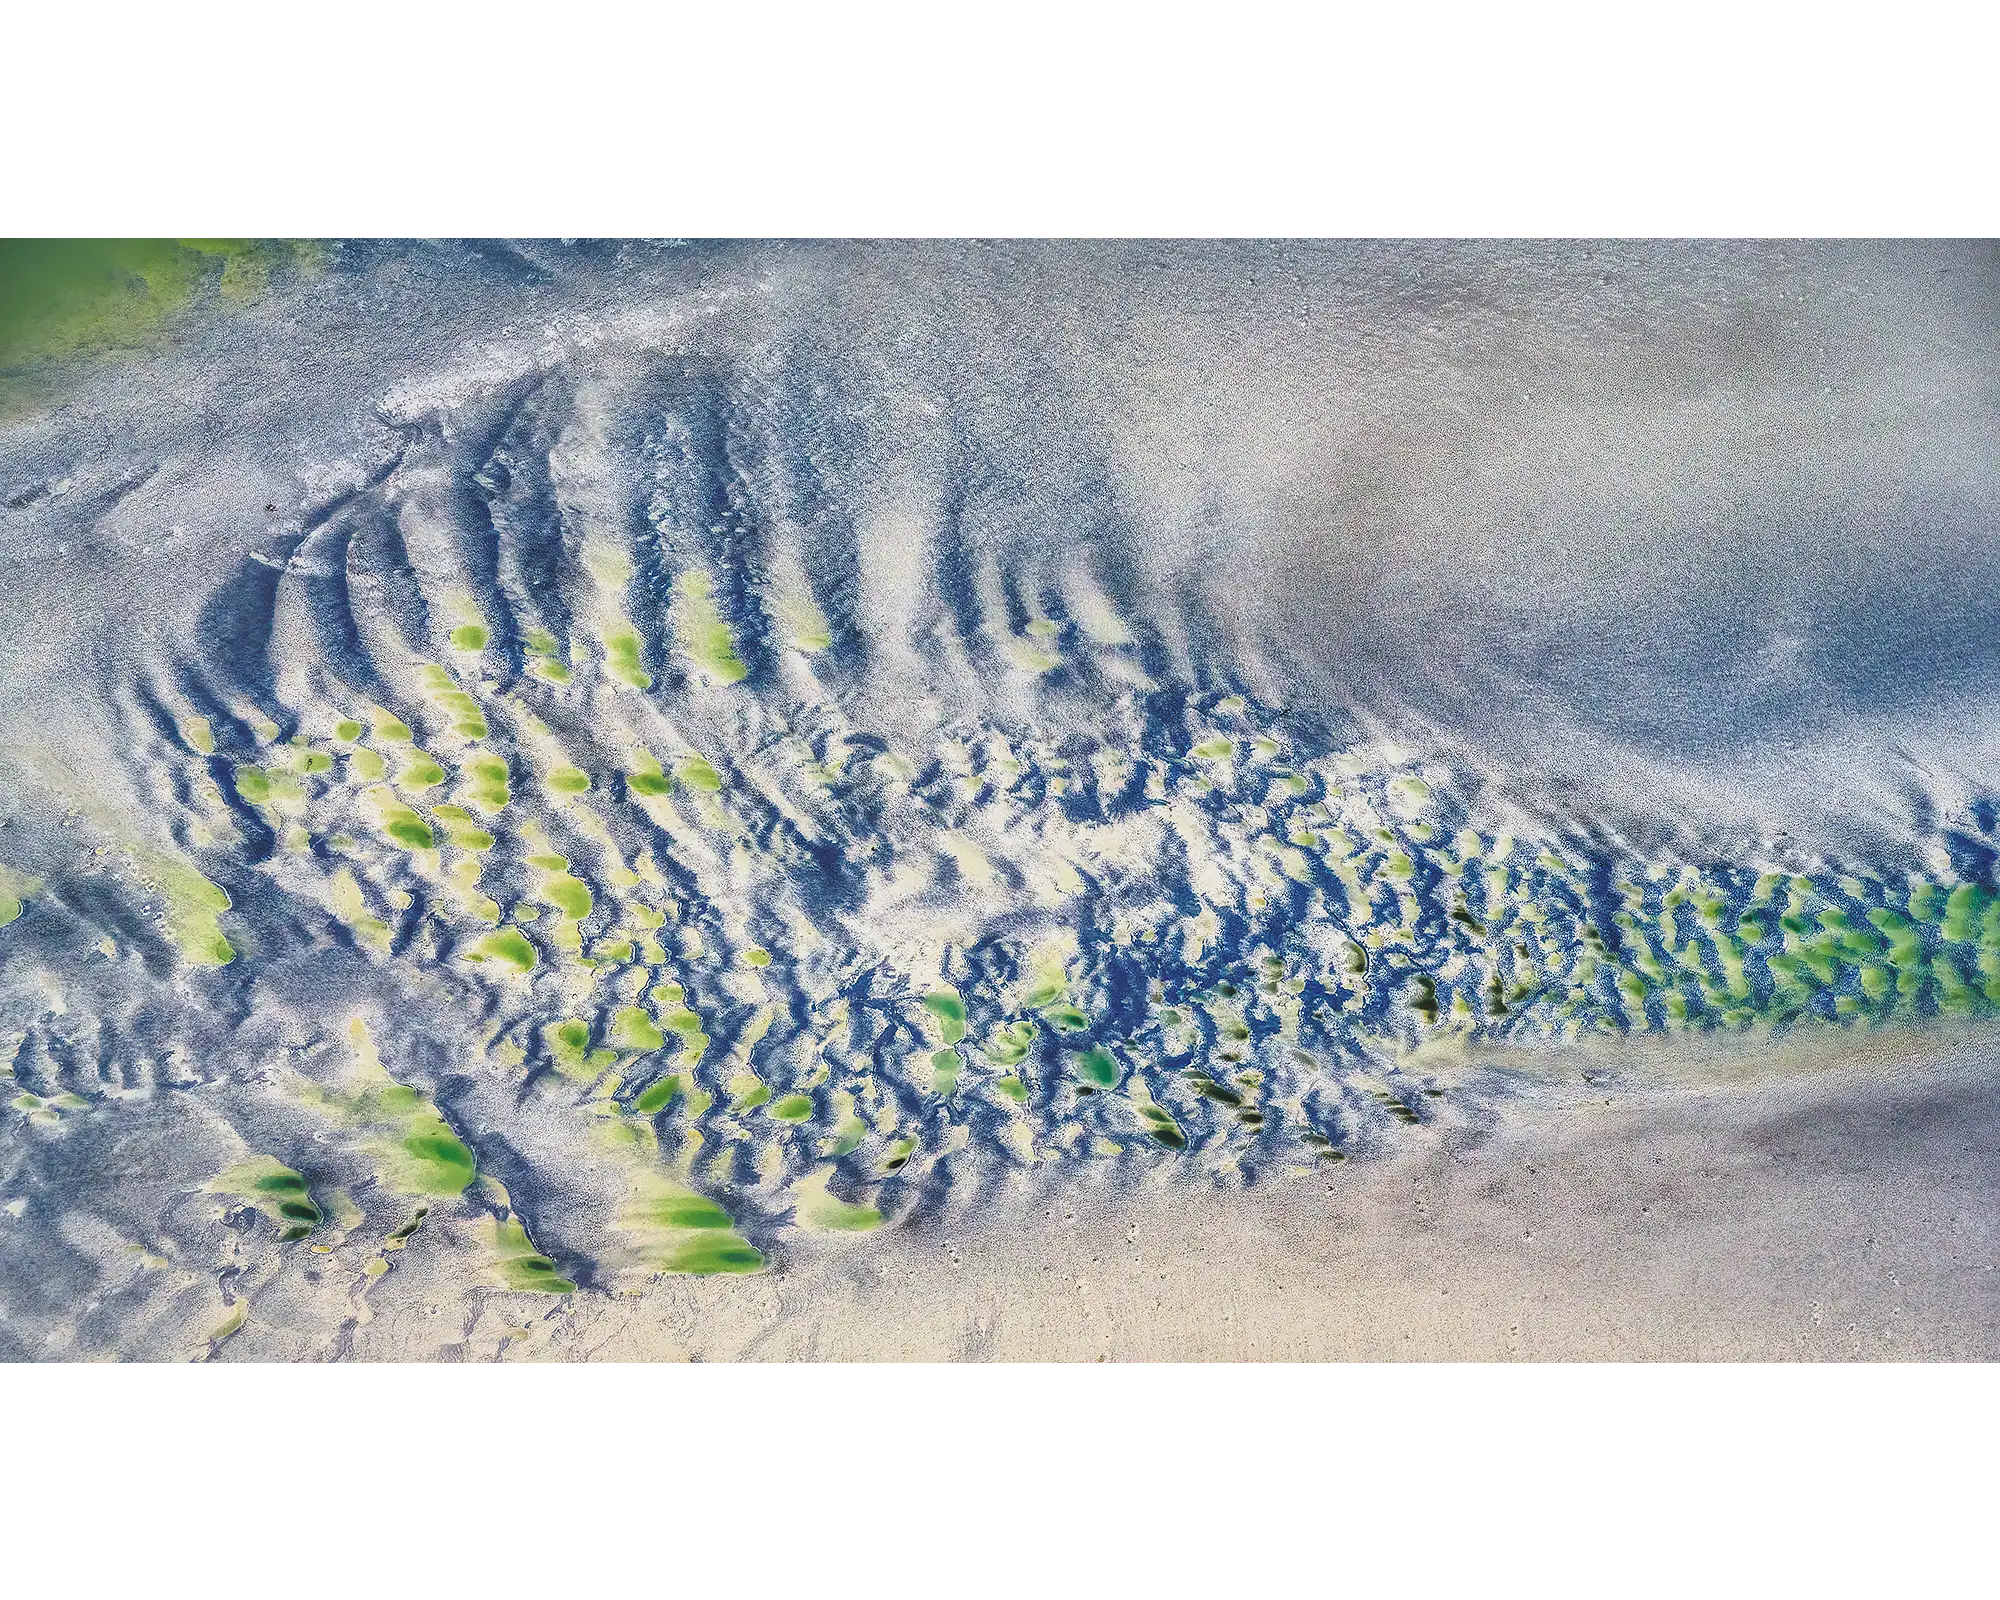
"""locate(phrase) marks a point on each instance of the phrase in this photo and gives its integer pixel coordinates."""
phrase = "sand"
(1841, 1212)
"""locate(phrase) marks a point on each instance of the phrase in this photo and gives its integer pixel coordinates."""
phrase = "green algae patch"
(569, 895)
(1097, 1066)
(704, 1255)
(402, 825)
(1964, 914)
(266, 786)
(756, 956)
(367, 766)
(945, 1068)
(232, 1323)
(679, 1231)
(545, 655)
(65, 298)
(519, 1265)
(15, 890)
(198, 735)
(274, 1189)
(416, 1152)
(793, 1108)
(486, 779)
(705, 638)
(849, 1136)
(508, 947)
(949, 1009)
(686, 1028)
(192, 911)
(1009, 1046)
(623, 660)
(646, 778)
(1955, 997)
(429, 1159)
(659, 1096)
(1013, 1088)
(347, 730)
(419, 774)
(633, 1029)
(568, 1044)
(1045, 990)
(462, 830)
(696, 773)
(470, 637)
(468, 716)
(802, 619)
(51, 1110)
(819, 1209)
(351, 907)
(568, 780)
(1160, 1124)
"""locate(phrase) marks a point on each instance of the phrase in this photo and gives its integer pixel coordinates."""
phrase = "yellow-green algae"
(193, 909)
(704, 637)
(658, 1096)
(543, 658)
(646, 778)
(64, 298)
(15, 890)
(274, 1189)
(820, 1209)
(417, 1152)
(633, 1029)
(507, 947)
(519, 1265)
(567, 894)
(622, 658)
(402, 825)
(462, 830)
(949, 1009)
(351, 908)
(679, 1231)
(486, 784)
(419, 773)
(568, 1044)
(696, 773)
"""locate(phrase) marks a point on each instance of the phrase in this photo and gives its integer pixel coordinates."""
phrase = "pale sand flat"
(1842, 1212)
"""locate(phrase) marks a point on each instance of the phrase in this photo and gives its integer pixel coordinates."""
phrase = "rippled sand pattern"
(537, 892)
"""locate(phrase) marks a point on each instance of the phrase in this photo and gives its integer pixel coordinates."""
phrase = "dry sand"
(1819, 1211)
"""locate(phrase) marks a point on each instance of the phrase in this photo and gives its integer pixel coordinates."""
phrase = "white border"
(758, 117)
(1033, 118)
(1013, 1481)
